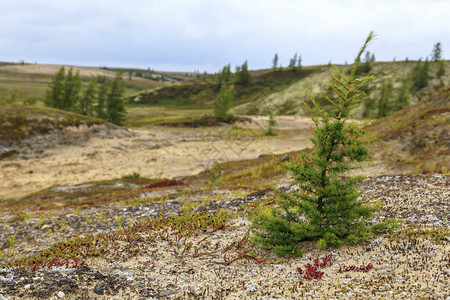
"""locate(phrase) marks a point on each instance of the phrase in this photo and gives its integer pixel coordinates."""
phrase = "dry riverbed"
(78, 155)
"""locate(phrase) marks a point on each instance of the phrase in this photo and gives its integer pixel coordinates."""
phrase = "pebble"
(285, 158)
(168, 293)
(27, 286)
(63, 280)
(99, 289)
(376, 242)
(61, 294)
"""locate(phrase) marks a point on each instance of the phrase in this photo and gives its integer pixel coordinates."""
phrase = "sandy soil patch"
(152, 152)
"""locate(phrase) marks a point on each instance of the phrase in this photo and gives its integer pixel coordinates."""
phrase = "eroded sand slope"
(152, 152)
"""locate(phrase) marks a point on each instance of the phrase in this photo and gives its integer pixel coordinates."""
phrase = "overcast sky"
(204, 35)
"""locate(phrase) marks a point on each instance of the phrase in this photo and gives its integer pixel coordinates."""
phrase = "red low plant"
(312, 272)
(165, 183)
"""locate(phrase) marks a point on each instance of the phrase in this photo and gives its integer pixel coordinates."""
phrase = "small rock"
(61, 294)
(168, 293)
(27, 286)
(63, 280)
(99, 289)
(376, 242)
(21, 295)
(98, 275)
(285, 158)
(68, 216)
(10, 282)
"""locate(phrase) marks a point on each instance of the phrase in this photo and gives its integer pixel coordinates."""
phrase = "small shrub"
(134, 175)
(271, 122)
(223, 102)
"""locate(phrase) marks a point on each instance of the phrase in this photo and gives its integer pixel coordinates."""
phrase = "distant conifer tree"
(55, 92)
(275, 62)
(223, 102)
(420, 75)
(72, 89)
(385, 98)
(402, 99)
(436, 55)
(226, 73)
(88, 99)
(299, 63)
(218, 80)
(271, 122)
(115, 107)
(293, 62)
(366, 66)
(243, 76)
(222, 77)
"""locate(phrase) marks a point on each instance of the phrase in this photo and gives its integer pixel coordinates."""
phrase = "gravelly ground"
(408, 268)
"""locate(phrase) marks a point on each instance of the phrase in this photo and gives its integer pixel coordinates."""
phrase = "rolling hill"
(25, 81)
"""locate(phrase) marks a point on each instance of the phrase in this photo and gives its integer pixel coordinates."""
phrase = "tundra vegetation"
(108, 222)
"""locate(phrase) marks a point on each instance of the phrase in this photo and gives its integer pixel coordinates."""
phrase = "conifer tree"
(420, 75)
(271, 122)
(237, 72)
(218, 80)
(402, 99)
(55, 93)
(72, 88)
(223, 76)
(384, 100)
(299, 63)
(275, 62)
(115, 107)
(242, 74)
(366, 66)
(326, 204)
(226, 73)
(223, 102)
(436, 55)
(293, 62)
(87, 100)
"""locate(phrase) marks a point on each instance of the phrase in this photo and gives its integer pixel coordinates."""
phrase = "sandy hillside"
(52, 69)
